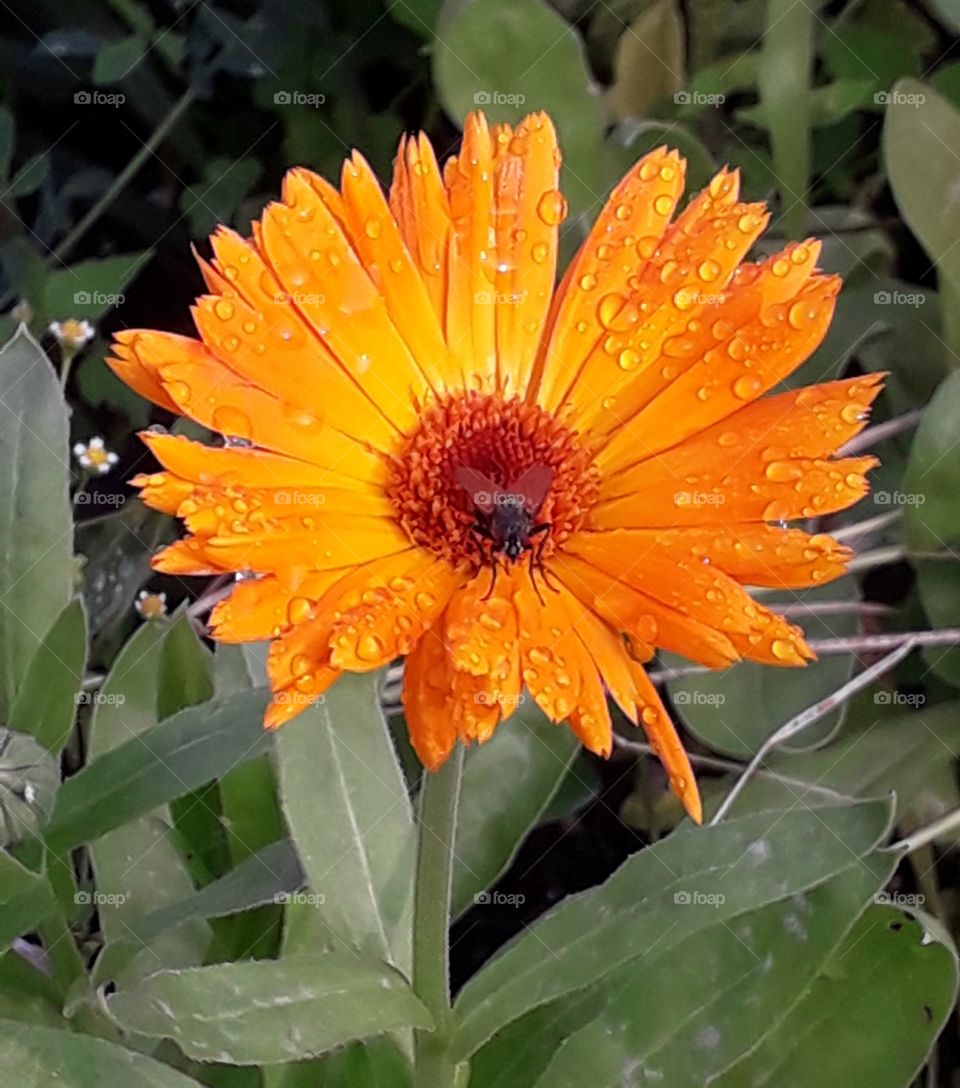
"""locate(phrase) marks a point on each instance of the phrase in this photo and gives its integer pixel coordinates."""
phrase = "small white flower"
(151, 605)
(94, 456)
(72, 334)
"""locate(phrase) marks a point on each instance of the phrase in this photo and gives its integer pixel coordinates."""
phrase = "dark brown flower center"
(499, 440)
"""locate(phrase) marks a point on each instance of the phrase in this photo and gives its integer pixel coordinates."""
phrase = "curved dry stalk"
(807, 717)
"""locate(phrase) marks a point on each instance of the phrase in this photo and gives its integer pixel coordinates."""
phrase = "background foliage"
(185, 900)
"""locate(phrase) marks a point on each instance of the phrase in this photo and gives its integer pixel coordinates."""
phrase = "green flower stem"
(122, 179)
(439, 801)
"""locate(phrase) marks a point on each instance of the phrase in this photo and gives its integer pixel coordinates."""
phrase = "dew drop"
(552, 207)
(231, 421)
(224, 309)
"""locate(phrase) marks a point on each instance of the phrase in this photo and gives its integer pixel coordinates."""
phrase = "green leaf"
(117, 59)
(90, 288)
(165, 762)
(648, 61)
(506, 788)
(140, 866)
(359, 857)
(269, 876)
(26, 899)
(508, 57)
(932, 515)
(36, 524)
(770, 856)
(46, 704)
(783, 80)
(735, 710)
(923, 127)
(36, 1057)
(692, 1009)
(270, 1011)
(892, 981)
(420, 16)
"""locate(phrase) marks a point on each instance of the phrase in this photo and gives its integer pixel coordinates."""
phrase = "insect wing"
(533, 486)
(481, 489)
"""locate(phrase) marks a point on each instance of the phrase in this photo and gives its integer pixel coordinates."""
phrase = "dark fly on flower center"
(507, 516)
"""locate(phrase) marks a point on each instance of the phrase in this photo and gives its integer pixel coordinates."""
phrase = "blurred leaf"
(46, 704)
(8, 140)
(648, 61)
(117, 59)
(164, 762)
(692, 1010)
(932, 516)
(509, 57)
(34, 1057)
(36, 525)
(948, 12)
(219, 196)
(638, 137)
(26, 994)
(116, 550)
(783, 80)
(506, 788)
(359, 858)
(893, 979)
(923, 127)
(420, 16)
(30, 176)
(733, 711)
(29, 779)
(856, 50)
(596, 932)
(89, 289)
(260, 1013)
(269, 876)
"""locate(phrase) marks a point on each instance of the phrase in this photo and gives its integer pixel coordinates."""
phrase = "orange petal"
(139, 374)
(419, 204)
(528, 211)
(263, 608)
(380, 246)
(260, 333)
(559, 673)
(426, 693)
(786, 489)
(639, 208)
(630, 611)
(664, 741)
(471, 269)
(317, 266)
(390, 620)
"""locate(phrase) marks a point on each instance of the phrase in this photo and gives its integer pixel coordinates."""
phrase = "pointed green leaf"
(36, 523)
(38, 1057)
(195, 746)
(46, 704)
(758, 859)
(268, 1011)
(358, 857)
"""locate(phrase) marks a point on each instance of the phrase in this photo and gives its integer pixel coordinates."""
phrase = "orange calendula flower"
(513, 486)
